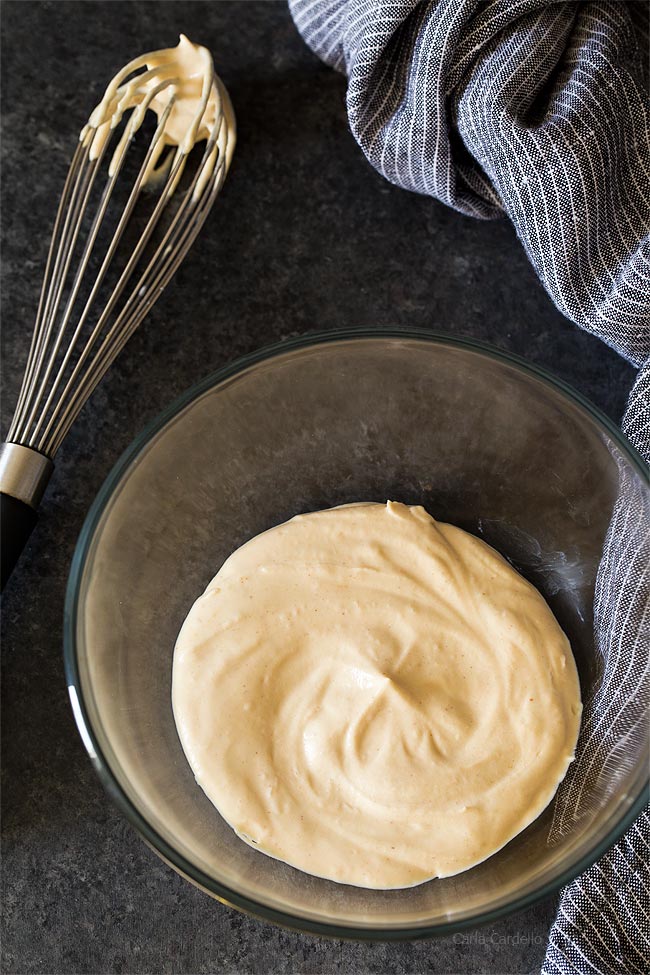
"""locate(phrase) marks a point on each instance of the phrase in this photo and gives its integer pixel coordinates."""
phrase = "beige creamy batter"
(375, 697)
(178, 84)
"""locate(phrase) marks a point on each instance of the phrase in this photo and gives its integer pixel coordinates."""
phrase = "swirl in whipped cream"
(375, 697)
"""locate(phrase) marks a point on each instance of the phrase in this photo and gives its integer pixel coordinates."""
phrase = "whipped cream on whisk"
(180, 86)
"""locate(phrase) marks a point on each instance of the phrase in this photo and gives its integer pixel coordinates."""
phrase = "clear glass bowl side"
(479, 441)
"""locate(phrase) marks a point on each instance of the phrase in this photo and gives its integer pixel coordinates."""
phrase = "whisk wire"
(85, 257)
(64, 215)
(184, 227)
(99, 279)
(37, 333)
(79, 202)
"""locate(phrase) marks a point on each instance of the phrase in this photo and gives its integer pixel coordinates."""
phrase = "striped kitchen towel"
(538, 110)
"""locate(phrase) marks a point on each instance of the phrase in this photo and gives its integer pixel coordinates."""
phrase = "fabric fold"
(539, 111)
(535, 109)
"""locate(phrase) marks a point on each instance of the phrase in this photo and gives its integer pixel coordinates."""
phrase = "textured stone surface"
(305, 236)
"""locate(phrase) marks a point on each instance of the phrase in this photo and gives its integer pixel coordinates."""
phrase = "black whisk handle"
(17, 521)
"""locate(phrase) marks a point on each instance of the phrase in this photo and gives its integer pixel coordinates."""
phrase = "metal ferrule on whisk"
(24, 473)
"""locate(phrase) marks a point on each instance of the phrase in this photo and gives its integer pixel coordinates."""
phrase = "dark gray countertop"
(305, 236)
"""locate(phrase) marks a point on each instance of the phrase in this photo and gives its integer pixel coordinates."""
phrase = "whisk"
(110, 259)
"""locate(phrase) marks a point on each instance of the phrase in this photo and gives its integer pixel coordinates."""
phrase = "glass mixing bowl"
(480, 439)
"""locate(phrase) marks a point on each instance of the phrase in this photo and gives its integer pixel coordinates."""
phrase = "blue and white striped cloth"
(539, 110)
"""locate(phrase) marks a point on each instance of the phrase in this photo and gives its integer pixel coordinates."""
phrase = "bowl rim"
(220, 891)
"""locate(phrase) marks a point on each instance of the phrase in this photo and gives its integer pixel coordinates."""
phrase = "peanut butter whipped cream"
(180, 86)
(375, 697)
